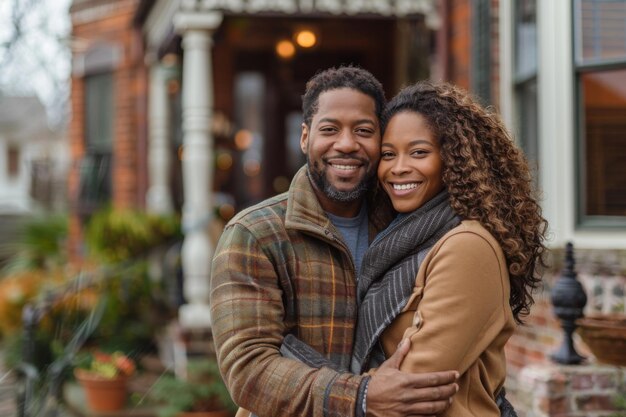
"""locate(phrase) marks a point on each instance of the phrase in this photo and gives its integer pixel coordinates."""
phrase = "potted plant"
(605, 335)
(104, 380)
(202, 394)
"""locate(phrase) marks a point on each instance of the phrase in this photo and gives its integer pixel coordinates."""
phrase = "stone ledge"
(568, 391)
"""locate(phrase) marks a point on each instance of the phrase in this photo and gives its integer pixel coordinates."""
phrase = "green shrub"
(39, 244)
(204, 390)
(118, 235)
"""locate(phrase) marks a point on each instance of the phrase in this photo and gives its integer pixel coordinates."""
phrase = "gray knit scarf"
(387, 278)
(388, 274)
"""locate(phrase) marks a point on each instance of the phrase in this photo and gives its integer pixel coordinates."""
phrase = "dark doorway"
(271, 85)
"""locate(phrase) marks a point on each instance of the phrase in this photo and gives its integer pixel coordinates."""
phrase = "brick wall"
(110, 22)
(569, 391)
(459, 26)
(77, 149)
(541, 333)
(459, 42)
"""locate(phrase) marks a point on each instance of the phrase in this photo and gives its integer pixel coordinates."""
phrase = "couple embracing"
(389, 277)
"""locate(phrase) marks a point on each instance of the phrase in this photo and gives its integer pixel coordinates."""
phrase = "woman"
(455, 270)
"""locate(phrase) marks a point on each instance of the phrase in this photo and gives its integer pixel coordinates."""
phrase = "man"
(287, 266)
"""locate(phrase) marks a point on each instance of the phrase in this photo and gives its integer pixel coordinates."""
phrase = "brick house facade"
(108, 44)
(472, 46)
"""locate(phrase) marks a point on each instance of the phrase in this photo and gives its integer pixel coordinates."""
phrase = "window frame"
(480, 74)
(14, 159)
(95, 192)
(101, 58)
(584, 221)
(557, 123)
(520, 82)
(99, 146)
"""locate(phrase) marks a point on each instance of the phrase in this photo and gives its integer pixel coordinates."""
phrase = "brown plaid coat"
(281, 267)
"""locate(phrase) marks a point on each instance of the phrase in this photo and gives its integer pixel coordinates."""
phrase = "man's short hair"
(342, 77)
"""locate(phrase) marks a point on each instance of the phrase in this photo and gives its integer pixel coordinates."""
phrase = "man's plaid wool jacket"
(281, 267)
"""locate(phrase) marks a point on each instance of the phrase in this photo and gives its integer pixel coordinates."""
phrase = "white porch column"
(197, 161)
(159, 196)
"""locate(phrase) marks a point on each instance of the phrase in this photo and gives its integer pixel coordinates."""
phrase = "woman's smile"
(403, 189)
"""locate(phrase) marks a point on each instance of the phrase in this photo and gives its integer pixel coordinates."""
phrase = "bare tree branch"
(33, 57)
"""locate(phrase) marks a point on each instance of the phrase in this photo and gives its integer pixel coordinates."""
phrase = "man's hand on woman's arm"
(392, 392)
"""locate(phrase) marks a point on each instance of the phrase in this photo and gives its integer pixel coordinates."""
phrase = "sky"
(39, 62)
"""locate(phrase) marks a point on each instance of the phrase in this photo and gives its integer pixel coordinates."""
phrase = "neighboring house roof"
(24, 125)
(22, 118)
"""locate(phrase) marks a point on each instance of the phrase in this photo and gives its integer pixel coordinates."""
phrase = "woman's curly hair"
(487, 177)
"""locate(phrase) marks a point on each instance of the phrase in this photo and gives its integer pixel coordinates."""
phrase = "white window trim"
(506, 30)
(557, 130)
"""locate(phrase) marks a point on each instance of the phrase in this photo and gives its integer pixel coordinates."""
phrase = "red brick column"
(460, 38)
(77, 150)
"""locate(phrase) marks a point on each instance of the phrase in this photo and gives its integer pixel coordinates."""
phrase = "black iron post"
(27, 372)
(568, 299)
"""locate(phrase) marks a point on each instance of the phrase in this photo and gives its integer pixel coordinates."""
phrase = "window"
(600, 61)
(293, 127)
(99, 112)
(95, 168)
(250, 94)
(481, 50)
(13, 161)
(95, 182)
(525, 80)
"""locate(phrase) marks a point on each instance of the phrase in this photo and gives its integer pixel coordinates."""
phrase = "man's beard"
(318, 176)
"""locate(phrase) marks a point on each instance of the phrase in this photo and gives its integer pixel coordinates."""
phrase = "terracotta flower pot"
(103, 394)
(606, 337)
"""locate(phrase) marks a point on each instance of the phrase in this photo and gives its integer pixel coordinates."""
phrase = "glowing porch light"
(306, 38)
(285, 49)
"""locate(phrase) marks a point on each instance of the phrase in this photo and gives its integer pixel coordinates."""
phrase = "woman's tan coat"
(459, 318)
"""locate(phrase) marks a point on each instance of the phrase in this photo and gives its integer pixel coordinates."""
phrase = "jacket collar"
(305, 213)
